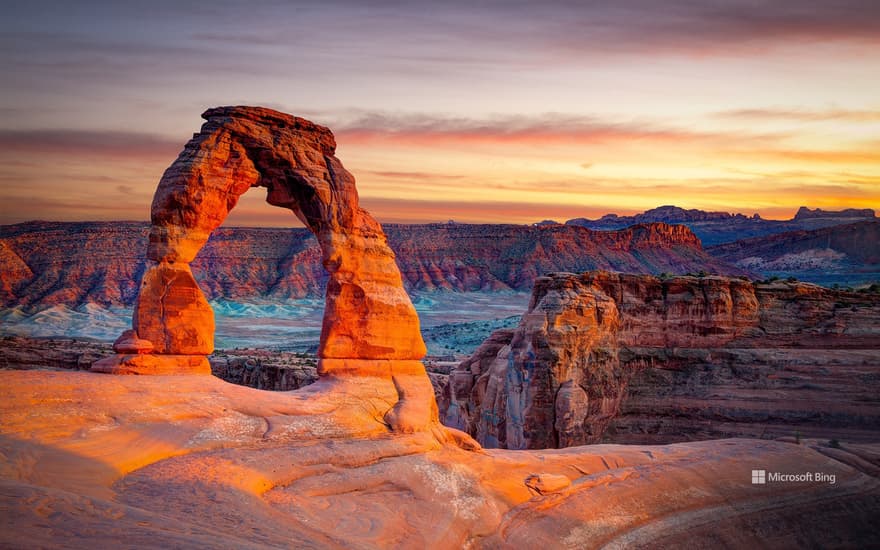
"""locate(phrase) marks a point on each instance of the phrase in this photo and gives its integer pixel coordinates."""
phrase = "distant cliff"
(714, 228)
(48, 263)
(805, 213)
(842, 254)
(632, 358)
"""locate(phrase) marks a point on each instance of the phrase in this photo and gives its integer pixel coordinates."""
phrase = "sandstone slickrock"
(135, 461)
(370, 328)
(613, 357)
(544, 484)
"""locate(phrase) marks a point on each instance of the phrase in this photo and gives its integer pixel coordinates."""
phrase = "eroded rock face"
(555, 381)
(368, 315)
(269, 263)
(172, 313)
(370, 327)
(130, 342)
(670, 360)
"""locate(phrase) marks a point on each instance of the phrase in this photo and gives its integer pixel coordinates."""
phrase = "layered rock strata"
(262, 263)
(843, 255)
(370, 328)
(613, 357)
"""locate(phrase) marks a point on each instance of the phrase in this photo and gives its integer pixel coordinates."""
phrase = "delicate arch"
(367, 314)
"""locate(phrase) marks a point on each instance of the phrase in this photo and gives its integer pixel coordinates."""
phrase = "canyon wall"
(628, 358)
(37, 269)
(846, 254)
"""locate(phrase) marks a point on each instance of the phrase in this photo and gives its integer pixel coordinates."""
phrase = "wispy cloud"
(89, 143)
(412, 176)
(428, 130)
(847, 157)
(803, 115)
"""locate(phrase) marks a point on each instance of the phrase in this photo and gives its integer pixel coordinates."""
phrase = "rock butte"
(190, 461)
(370, 329)
(707, 357)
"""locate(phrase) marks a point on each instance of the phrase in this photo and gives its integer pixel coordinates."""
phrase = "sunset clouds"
(490, 111)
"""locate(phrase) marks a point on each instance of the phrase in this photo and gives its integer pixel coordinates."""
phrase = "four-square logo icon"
(759, 477)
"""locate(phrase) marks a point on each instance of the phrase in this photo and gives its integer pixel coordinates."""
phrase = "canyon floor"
(453, 323)
(93, 460)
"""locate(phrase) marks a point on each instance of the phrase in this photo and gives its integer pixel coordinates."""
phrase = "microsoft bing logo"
(759, 477)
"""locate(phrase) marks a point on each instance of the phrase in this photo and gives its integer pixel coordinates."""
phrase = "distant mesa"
(846, 255)
(805, 213)
(665, 214)
(714, 228)
(675, 214)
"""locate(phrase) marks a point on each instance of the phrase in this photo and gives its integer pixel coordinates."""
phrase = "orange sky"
(500, 112)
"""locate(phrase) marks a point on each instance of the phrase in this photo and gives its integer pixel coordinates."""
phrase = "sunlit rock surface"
(193, 462)
(172, 313)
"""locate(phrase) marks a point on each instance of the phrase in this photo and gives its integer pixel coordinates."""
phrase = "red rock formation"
(172, 313)
(270, 263)
(370, 327)
(129, 342)
(367, 313)
(500, 257)
(564, 375)
(14, 273)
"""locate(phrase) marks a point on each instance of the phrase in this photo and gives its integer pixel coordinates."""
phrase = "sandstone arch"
(370, 327)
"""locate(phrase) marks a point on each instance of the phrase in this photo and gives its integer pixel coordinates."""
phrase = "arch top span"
(243, 147)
